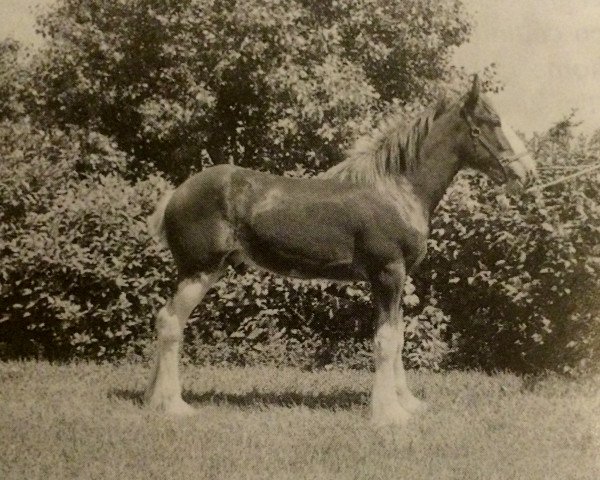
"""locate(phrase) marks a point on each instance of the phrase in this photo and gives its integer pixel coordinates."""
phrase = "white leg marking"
(164, 390)
(386, 410)
(411, 403)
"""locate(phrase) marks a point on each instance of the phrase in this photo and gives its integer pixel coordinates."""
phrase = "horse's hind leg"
(164, 390)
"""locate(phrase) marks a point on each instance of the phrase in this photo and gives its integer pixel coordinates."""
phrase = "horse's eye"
(475, 131)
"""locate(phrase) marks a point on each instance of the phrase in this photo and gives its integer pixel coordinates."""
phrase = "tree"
(262, 83)
(12, 79)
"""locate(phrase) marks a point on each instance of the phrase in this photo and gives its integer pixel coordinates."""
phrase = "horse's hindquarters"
(197, 228)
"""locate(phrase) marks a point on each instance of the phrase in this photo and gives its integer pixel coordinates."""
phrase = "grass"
(85, 421)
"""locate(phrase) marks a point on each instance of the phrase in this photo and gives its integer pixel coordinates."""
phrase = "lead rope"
(539, 188)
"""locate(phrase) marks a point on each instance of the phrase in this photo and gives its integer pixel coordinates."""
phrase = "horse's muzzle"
(520, 172)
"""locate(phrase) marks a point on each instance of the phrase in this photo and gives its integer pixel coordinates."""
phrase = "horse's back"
(208, 185)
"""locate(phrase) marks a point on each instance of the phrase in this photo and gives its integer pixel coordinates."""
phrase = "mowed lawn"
(85, 421)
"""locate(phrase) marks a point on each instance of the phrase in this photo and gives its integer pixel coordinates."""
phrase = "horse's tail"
(156, 221)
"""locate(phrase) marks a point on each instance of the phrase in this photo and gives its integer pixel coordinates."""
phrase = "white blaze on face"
(516, 143)
(524, 164)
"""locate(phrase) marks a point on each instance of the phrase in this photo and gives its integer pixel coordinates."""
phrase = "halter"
(478, 139)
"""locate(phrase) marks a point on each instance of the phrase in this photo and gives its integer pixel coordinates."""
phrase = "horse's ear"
(474, 93)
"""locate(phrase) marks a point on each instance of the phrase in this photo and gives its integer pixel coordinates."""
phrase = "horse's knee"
(393, 276)
(387, 284)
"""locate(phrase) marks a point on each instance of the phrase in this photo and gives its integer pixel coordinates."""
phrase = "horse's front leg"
(387, 286)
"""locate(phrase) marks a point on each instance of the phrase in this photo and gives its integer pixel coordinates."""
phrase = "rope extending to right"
(566, 178)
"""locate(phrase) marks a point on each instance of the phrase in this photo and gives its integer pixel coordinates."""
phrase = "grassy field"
(85, 421)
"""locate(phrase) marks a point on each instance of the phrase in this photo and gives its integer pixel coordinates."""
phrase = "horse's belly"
(294, 266)
(307, 242)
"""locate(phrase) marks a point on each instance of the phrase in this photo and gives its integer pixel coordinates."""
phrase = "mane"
(393, 148)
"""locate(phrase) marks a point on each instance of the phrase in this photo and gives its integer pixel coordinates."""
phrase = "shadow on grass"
(338, 400)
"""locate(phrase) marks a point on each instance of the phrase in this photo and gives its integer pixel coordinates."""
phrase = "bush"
(520, 278)
(80, 275)
(507, 284)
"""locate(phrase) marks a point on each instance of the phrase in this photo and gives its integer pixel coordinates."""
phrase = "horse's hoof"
(414, 405)
(180, 408)
(175, 407)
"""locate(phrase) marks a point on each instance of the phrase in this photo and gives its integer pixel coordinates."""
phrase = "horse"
(365, 219)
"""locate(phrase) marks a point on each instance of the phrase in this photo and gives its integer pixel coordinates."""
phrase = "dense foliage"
(79, 273)
(126, 94)
(265, 83)
(520, 279)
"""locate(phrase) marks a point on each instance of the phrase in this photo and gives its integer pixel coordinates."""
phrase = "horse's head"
(495, 148)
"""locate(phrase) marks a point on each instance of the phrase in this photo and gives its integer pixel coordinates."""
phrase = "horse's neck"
(437, 167)
(425, 180)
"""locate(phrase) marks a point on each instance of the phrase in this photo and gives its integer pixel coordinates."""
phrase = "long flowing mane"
(393, 148)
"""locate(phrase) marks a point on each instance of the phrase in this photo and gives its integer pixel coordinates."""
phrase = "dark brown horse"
(367, 218)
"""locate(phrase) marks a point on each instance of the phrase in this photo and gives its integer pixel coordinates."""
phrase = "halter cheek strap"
(478, 139)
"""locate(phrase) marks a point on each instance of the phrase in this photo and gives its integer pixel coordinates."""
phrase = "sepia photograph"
(300, 239)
